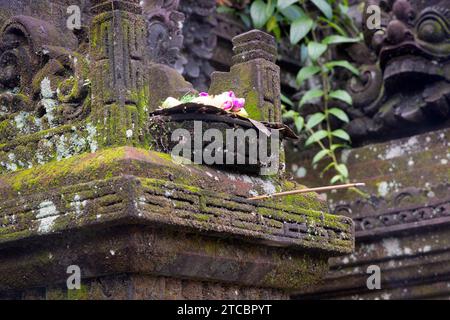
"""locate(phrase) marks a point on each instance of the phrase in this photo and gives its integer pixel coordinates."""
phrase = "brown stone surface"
(49, 10)
(128, 223)
(403, 226)
(144, 287)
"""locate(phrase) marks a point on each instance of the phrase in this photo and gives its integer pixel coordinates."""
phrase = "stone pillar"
(254, 75)
(119, 85)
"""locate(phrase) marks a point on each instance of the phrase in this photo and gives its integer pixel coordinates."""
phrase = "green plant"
(316, 26)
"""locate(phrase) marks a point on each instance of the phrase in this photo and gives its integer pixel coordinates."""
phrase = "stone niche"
(80, 185)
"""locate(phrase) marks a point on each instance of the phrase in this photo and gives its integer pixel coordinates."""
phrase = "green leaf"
(334, 147)
(342, 169)
(272, 24)
(315, 50)
(333, 25)
(320, 155)
(277, 33)
(343, 8)
(340, 114)
(286, 100)
(306, 73)
(273, 27)
(300, 28)
(303, 53)
(316, 137)
(292, 13)
(299, 124)
(259, 14)
(341, 134)
(335, 39)
(245, 19)
(225, 9)
(291, 114)
(270, 8)
(328, 167)
(336, 178)
(311, 95)
(344, 64)
(315, 119)
(342, 95)
(283, 4)
(325, 7)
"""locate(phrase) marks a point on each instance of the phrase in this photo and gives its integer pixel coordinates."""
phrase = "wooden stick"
(321, 189)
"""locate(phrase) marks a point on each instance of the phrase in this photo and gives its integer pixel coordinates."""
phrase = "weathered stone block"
(403, 224)
(254, 76)
(132, 211)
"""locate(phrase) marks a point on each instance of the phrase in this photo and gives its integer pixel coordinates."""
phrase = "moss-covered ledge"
(145, 192)
(161, 184)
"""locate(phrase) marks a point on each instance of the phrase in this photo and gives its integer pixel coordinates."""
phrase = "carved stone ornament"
(165, 37)
(409, 86)
(41, 73)
(200, 41)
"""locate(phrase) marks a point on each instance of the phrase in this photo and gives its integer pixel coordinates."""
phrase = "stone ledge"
(127, 210)
(156, 251)
(146, 287)
(149, 201)
(123, 194)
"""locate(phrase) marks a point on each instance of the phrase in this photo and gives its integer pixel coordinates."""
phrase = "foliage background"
(316, 27)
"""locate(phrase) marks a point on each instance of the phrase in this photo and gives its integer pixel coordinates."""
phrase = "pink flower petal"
(227, 105)
(231, 94)
(204, 94)
(239, 103)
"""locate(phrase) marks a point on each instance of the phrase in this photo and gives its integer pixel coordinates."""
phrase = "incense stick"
(309, 190)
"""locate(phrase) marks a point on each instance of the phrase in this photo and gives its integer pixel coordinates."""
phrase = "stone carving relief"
(237, 4)
(200, 40)
(409, 84)
(44, 93)
(408, 206)
(42, 77)
(165, 37)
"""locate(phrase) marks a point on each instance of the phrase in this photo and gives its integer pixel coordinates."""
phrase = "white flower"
(204, 100)
(220, 100)
(170, 103)
(226, 101)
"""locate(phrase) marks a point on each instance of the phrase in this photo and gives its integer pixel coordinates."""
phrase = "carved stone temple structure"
(401, 137)
(81, 187)
(401, 131)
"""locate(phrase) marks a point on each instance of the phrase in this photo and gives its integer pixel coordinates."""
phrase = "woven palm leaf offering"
(216, 130)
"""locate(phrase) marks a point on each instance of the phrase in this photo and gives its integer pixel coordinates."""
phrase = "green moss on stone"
(81, 294)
